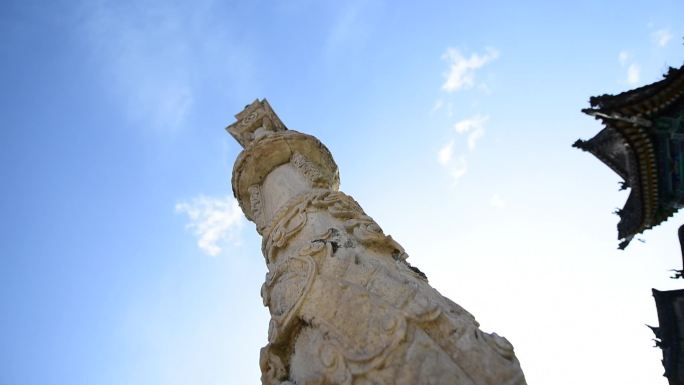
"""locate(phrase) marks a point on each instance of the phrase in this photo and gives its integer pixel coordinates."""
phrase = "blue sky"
(125, 260)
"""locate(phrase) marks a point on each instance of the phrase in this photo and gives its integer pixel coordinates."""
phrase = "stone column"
(346, 307)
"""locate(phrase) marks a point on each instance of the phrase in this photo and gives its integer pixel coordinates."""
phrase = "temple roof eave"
(645, 100)
(631, 120)
(612, 148)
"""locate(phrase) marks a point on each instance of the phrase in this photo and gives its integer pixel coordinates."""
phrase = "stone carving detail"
(347, 308)
(256, 120)
(309, 170)
(292, 218)
(256, 204)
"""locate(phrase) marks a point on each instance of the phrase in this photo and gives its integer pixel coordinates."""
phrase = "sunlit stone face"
(282, 184)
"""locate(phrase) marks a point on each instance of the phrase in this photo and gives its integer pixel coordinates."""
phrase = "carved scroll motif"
(287, 286)
(309, 170)
(256, 204)
(293, 217)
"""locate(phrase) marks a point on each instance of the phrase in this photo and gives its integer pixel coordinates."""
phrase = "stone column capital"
(255, 120)
(269, 145)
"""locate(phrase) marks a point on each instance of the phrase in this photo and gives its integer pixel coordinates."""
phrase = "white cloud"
(214, 220)
(633, 74)
(171, 110)
(135, 59)
(446, 153)
(475, 127)
(497, 201)
(459, 168)
(623, 57)
(461, 73)
(455, 167)
(439, 103)
(474, 137)
(661, 37)
(633, 69)
(473, 123)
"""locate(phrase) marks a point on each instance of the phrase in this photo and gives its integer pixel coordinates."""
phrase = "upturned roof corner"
(643, 142)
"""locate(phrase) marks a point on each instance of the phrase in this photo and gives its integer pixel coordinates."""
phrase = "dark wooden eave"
(628, 120)
(647, 100)
(612, 148)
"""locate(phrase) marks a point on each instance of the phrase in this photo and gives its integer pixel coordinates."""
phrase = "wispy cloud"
(623, 57)
(661, 37)
(346, 27)
(459, 168)
(474, 137)
(633, 70)
(351, 27)
(474, 126)
(456, 167)
(462, 69)
(461, 76)
(497, 202)
(439, 103)
(633, 74)
(214, 220)
(171, 110)
(150, 77)
(446, 153)
(472, 123)
(156, 55)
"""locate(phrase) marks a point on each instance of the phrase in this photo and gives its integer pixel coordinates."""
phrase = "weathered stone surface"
(346, 307)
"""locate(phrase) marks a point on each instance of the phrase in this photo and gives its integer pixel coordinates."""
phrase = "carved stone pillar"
(346, 307)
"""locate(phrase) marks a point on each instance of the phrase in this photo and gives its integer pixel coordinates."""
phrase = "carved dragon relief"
(344, 268)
